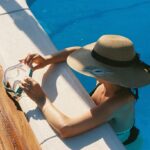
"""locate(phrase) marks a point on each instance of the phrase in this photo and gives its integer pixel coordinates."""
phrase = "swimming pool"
(79, 22)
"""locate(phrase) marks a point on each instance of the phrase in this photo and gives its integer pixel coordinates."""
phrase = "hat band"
(114, 63)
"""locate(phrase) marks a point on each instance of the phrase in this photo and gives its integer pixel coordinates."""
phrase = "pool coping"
(9, 13)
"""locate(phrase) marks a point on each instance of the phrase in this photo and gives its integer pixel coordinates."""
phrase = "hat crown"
(115, 47)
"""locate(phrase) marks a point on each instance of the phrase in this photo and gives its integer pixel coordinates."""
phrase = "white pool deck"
(20, 34)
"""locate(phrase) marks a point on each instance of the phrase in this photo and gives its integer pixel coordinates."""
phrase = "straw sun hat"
(111, 58)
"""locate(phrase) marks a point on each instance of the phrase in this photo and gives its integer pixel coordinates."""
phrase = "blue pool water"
(78, 22)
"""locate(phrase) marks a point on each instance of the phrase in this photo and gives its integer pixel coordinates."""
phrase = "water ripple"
(95, 15)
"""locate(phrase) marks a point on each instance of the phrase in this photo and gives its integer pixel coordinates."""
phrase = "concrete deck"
(21, 34)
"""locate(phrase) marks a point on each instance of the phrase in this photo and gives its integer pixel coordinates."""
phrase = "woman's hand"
(39, 60)
(42, 61)
(33, 90)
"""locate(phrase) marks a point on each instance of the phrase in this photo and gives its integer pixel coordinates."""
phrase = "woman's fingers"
(26, 89)
(33, 59)
(28, 80)
(37, 59)
(29, 58)
(27, 84)
(32, 89)
(23, 87)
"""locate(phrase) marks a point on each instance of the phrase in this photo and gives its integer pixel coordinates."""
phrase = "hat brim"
(132, 76)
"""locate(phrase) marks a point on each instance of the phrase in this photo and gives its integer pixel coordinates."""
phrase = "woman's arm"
(42, 61)
(61, 56)
(64, 125)
(68, 127)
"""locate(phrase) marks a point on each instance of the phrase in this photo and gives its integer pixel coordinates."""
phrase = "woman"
(117, 68)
